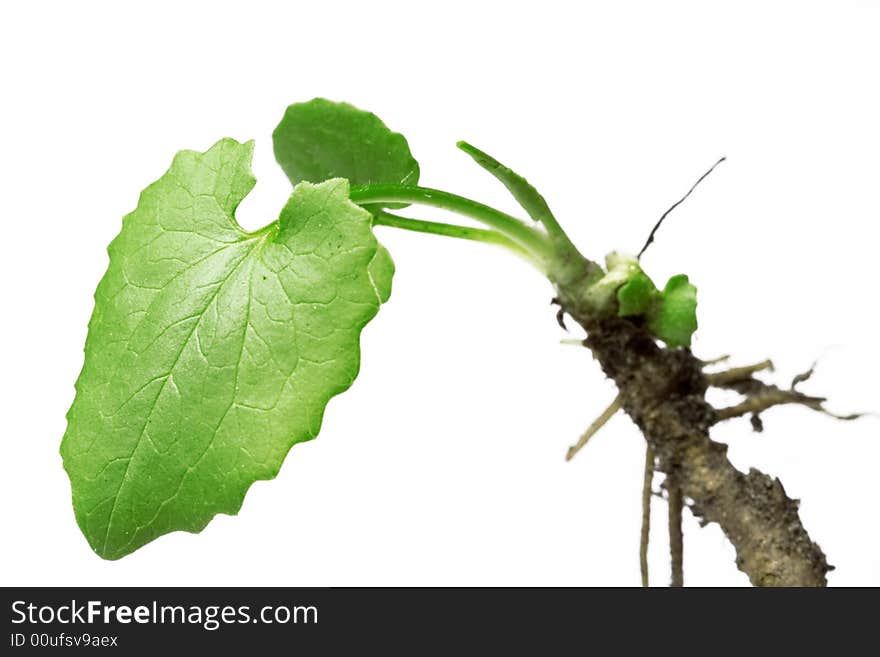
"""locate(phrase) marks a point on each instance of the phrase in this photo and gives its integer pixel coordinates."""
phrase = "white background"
(444, 463)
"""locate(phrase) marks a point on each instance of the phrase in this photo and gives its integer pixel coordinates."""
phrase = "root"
(646, 513)
(663, 391)
(760, 396)
(591, 431)
(735, 374)
(676, 538)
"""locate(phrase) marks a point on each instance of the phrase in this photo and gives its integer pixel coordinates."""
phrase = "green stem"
(524, 193)
(534, 242)
(382, 218)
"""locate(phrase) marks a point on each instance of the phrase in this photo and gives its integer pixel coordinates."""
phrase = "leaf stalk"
(533, 241)
(383, 218)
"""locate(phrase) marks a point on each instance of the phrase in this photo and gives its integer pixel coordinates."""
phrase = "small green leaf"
(319, 139)
(211, 351)
(675, 319)
(522, 190)
(637, 296)
(671, 315)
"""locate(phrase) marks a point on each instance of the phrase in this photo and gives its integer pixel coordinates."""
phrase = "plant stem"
(383, 218)
(534, 241)
(664, 393)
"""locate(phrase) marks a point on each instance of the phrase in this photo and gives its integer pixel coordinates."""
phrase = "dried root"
(591, 431)
(760, 396)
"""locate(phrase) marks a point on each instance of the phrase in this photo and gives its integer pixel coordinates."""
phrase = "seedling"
(212, 350)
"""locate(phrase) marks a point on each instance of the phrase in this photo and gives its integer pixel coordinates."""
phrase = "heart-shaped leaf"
(211, 351)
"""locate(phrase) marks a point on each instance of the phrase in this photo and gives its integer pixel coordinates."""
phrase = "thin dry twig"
(597, 424)
(646, 513)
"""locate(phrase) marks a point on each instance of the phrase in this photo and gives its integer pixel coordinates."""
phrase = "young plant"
(212, 350)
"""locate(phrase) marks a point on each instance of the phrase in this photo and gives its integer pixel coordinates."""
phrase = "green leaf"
(319, 139)
(671, 315)
(675, 319)
(522, 190)
(636, 296)
(211, 351)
